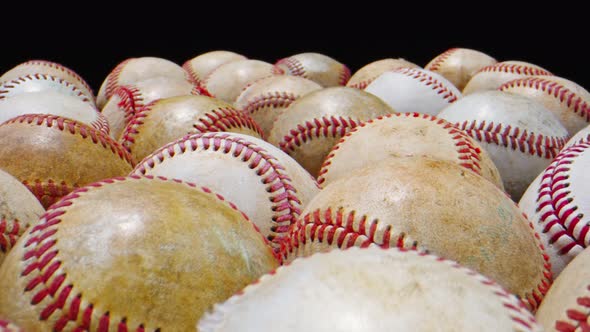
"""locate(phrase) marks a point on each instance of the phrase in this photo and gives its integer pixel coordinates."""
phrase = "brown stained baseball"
(406, 134)
(133, 70)
(131, 254)
(203, 64)
(7, 326)
(567, 304)
(371, 290)
(458, 65)
(127, 100)
(309, 128)
(492, 77)
(52, 155)
(227, 81)
(54, 103)
(265, 99)
(367, 74)
(261, 180)
(317, 67)
(434, 205)
(44, 67)
(19, 209)
(41, 83)
(566, 99)
(168, 119)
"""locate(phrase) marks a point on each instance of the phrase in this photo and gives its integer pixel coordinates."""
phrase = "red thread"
(113, 78)
(271, 99)
(447, 94)
(439, 60)
(9, 233)
(294, 66)
(514, 69)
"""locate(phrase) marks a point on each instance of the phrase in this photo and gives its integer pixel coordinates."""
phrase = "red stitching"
(447, 94)
(294, 66)
(567, 97)
(48, 280)
(324, 126)
(219, 119)
(513, 137)
(469, 154)
(577, 318)
(344, 75)
(285, 202)
(130, 100)
(435, 64)
(271, 99)
(192, 74)
(554, 204)
(10, 230)
(515, 69)
(48, 192)
(64, 69)
(7, 86)
(113, 78)
(202, 88)
(6, 326)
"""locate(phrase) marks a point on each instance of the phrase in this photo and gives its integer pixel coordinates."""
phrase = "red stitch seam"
(113, 78)
(270, 100)
(48, 192)
(513, 137)
(344, 75)
(439, 60)
(7, 86)
(554, 204)
(130, 100)
(48, 280)
(469, 155)
(285, 204)
(192, 74)
(6, 326)
(514, 69)
(63, 69)
(446, 93)
(577, 318)
(219, 119)
(294, 66)
(9, 233)
(574, 102)
(74, 128)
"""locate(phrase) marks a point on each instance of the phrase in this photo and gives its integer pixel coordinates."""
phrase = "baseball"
(413, 90)
(492, 77)
(428, 204)
(165, 120)
(54, 103)
(317, 67)
(520, 135)
(458, 65)
(227, 81)
(130, 99)
(566, 99)
(44, 67)
(41, 83)
(203, 64)
(268, 185)
(52, 155)
(314, 123)
(131, 254)
(406, 134)
(368, 73)
(19, 209)
(556, 204)
(265, 99)
(371, 289)
(582, 136)
(133, 70)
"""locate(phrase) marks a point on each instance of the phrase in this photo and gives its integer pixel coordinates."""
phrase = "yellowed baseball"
(317, 67)
(367, 74)
(492, 77)
(458, 65)
(131, 254)
(201, 65)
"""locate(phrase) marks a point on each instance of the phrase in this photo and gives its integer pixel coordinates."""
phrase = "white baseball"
(129, 99)
(227, 81)
(133, 70)
(458, 65)
(406, 134)
(317, 67)
(49, 68)
(557, 202)
(566, 99)
(520, 135)
(265, 99)
(567, 304)
(413, 90)
(370, 290)
(368, 73)
(55, 103)
(492, 77)
(200, 66)
(40, 83)
(263, 181)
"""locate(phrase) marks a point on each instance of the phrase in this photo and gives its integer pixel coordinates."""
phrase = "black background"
(92, 45)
